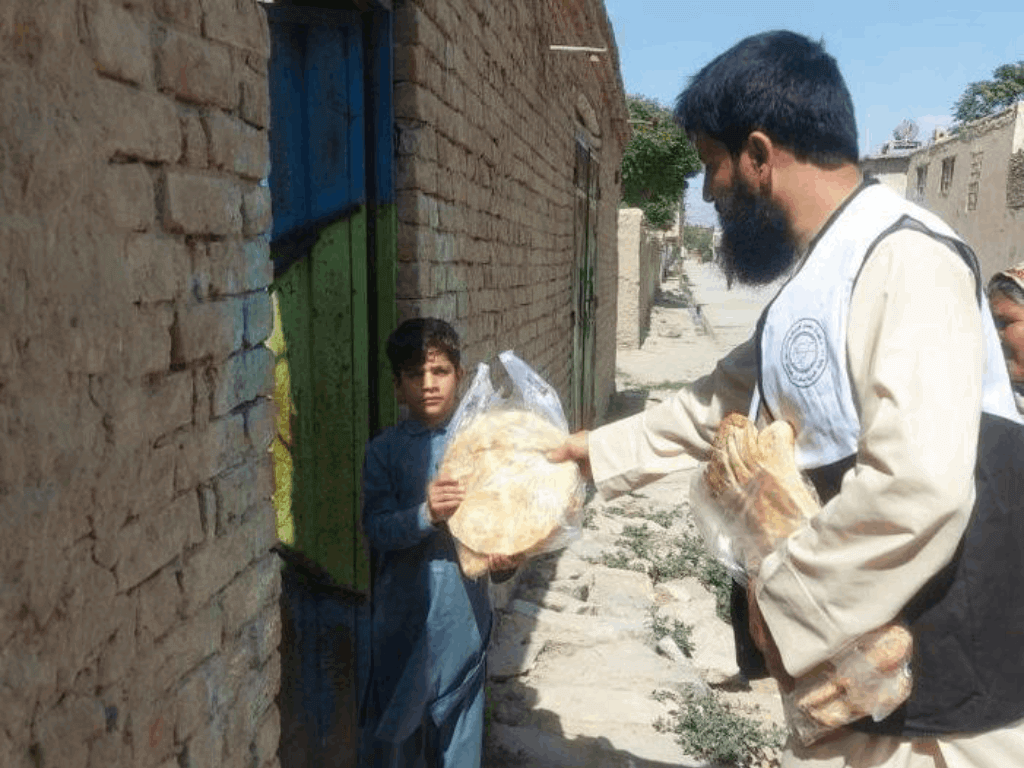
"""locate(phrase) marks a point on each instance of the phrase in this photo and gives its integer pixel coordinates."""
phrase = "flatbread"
(516, 499)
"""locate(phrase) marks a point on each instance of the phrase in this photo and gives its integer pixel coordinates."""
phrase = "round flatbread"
(515, 498)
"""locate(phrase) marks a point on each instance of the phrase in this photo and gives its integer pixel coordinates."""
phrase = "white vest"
(803, 377)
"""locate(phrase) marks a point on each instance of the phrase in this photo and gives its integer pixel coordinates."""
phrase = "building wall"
(139, 621)
(487, 119)
(891, 171)
(639, 277)
(983, 202)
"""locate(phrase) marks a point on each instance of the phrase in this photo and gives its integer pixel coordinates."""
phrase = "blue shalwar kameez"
(425, 698)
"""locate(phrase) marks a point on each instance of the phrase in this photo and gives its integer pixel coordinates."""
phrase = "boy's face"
(429, 391)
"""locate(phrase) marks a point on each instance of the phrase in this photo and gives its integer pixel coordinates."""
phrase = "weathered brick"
(152, 541)
(204, 453)
(261, 424)
(195, 152)
(241, 490)
(243, 378)
(128, 191)
(63, 733)
(145, 345)
(158, 268)
(207, 330)
(256, 213)
(192, 704)
(265, 632)
(149, 728)
(196, 70)
(250, 592)
(202, 205)
(212, 567)
(268, 736)
(184, 13)
(238, 147)
(255, 106)
(150, 409)
(255, 697)
(118, 655)
(87, 584)
(160, 599)
(243, 25)
(259, 318)
(204, 748)
(137, 125)
(119, 41)
(194, 639)
(232, 266)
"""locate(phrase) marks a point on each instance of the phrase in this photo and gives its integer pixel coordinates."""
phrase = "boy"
(425, 700)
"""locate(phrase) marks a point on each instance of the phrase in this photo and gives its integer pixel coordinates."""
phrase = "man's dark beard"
(756, 247)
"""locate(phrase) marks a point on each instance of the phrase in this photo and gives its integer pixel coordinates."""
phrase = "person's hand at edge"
(576, 448)
(444, 496)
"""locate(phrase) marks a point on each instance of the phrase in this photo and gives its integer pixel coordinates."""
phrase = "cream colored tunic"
(916, 357)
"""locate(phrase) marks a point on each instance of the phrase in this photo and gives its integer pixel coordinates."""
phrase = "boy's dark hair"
(781, 83)
(408, 344)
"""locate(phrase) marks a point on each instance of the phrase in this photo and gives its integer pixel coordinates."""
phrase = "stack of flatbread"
(755, 477)
(517, 502)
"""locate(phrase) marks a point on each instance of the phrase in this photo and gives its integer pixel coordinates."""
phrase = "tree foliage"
(656, 162)
(987, 97)
(699, 239)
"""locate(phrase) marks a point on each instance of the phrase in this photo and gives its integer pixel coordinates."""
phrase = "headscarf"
(1014, 274)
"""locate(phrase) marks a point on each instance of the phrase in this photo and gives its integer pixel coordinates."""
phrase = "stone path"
(584, 667)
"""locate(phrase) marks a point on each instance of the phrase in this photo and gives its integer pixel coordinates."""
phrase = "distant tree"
(987, 97)
(656, 162)
(697, 238)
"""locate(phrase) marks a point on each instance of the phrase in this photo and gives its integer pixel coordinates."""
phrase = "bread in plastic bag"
(516, 501)
(747, 501)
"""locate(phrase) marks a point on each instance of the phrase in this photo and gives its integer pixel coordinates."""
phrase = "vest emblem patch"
(804, 352)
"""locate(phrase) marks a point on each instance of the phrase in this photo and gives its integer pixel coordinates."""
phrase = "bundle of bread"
(754, 479)
(516, 501)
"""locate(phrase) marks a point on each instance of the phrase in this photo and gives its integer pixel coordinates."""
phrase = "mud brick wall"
(139, 615)
(639, 277)
(487, 119)
(980, 203)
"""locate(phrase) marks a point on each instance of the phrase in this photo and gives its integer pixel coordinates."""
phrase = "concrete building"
(974, 180)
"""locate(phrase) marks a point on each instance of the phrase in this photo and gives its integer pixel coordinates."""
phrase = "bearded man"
(880, 351)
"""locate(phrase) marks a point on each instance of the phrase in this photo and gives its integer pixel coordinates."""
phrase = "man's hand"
(762, 637)
(575, 448)
(499, 563)
(443, 498)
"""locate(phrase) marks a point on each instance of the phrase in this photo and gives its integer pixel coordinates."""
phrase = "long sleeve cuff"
(426, 526)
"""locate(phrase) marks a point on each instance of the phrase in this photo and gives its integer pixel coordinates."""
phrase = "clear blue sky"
(900, 60)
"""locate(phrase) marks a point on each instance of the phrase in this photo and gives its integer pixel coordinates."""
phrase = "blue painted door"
(332, 242)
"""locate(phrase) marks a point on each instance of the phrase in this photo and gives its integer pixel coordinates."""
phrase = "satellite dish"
(905, 131)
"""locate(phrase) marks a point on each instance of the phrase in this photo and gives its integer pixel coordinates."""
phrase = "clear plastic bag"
(517, 502)
(741, 526)
(870, 678)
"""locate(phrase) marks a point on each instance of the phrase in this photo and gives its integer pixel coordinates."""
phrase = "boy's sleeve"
(387, 525)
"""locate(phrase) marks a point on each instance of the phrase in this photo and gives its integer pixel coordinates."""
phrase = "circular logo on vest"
(804, 352)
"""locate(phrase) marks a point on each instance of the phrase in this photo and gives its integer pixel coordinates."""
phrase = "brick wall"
(487, 120)
(138, 605)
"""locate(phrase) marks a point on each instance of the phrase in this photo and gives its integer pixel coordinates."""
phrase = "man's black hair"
(782, 84)
(408, 344)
